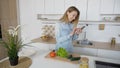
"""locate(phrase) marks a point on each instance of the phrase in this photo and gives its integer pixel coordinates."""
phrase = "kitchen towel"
(101, 26)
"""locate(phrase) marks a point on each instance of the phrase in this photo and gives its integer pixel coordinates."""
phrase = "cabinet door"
(93, 10)
(85, 51)
(69, 3)
(49, 6)
(107, 6)
(82, 6)
(59, 7)
(39, 6)
(109, 54)
(54, 6)
(117, 7)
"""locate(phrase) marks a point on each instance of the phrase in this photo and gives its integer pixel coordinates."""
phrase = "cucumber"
(70, 56)
(75, 58)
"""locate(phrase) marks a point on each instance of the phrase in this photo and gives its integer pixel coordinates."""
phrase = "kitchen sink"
(84, 42)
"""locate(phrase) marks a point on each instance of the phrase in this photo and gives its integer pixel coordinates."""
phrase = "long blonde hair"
(65, 16)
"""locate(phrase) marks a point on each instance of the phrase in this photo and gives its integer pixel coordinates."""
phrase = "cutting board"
(64, 59)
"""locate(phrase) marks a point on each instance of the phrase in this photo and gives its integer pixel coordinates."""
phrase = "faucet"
(85, 41)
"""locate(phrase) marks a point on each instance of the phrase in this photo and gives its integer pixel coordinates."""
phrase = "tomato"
(52, 54)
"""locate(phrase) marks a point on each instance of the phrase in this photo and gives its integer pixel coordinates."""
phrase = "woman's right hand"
(78, 30)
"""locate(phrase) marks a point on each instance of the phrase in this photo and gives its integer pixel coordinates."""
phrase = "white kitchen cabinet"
(110, 7)
(82, 6)
(108, 54)
(39, 6)
(69, 3)
(49, 6)
(93, 10)
(106, 6)
(54, 6)
(85, 51)
(59, 7)
(117, 7)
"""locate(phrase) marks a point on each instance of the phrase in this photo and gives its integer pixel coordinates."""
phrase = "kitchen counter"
(99, 45)
(51, 41)
(39, 61)
(96, 45)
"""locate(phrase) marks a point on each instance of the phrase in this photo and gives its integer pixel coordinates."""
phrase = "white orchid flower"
(16, 30)
(10, 31)
(13, 30)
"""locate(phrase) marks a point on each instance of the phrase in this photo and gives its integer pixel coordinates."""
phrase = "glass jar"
(84, 65)
(113, 41)
(84, 62)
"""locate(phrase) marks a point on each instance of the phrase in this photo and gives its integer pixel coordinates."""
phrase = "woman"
(66, 30)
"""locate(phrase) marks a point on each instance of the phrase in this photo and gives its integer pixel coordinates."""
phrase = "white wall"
(94, 34)
(31, 25)
(28, 20)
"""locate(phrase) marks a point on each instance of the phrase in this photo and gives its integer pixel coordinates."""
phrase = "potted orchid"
(13, 44)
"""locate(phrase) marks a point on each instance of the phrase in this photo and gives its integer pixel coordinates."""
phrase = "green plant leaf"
(13, 44)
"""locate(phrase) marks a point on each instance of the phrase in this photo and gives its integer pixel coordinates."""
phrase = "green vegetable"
(62, 52)
(75, 58)
(70, 56)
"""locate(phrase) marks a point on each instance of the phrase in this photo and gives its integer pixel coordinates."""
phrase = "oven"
(102, 64)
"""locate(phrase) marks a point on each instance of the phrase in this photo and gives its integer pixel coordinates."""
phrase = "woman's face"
(72, 15)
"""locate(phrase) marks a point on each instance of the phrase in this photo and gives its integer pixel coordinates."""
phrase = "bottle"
(84, 62)
(113, 41)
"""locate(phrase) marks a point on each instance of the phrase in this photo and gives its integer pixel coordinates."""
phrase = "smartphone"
(82, 27)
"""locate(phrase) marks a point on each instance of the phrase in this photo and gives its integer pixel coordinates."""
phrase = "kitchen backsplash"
(48, 29)
(94, 34)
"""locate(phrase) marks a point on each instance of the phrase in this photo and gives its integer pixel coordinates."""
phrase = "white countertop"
(39, 60)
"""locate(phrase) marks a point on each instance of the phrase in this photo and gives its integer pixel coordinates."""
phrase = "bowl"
(45, 38)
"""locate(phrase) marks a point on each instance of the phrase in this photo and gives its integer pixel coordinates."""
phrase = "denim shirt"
(63, 38)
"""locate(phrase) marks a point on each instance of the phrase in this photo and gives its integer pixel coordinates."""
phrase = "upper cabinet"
(39, 6)
(69, 3)
(49, 6)
(59, 7)
(90, 10)
(106, 6)
(110, 7)
(54, 7)
(117, 7)
(93, 10)
(80, 4)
